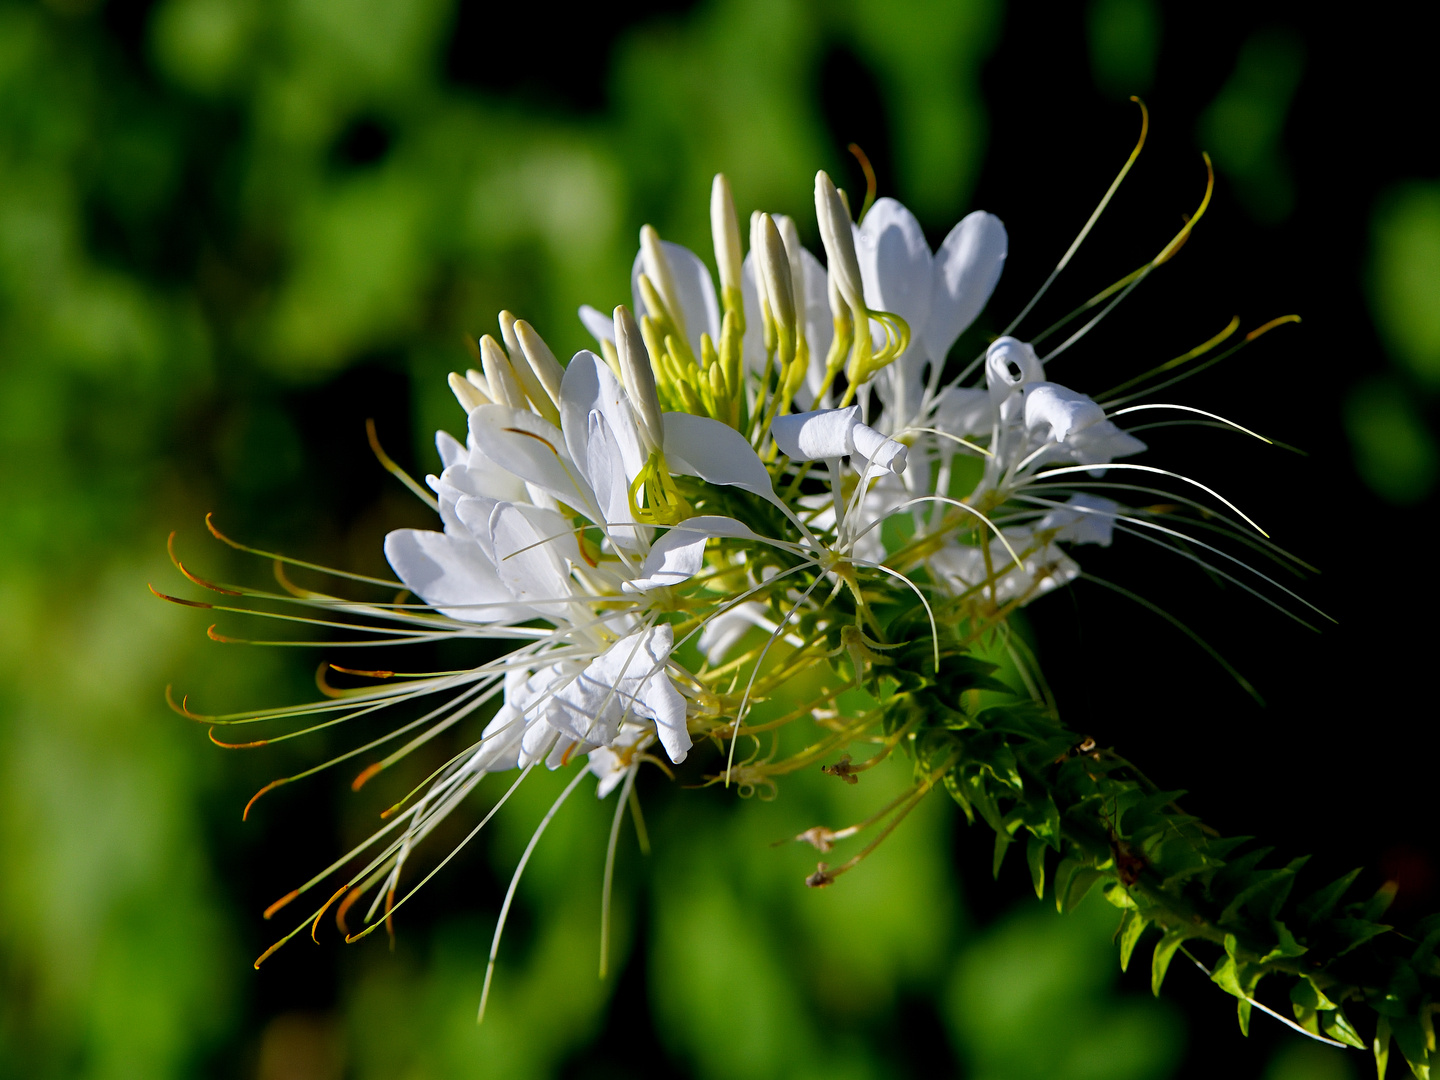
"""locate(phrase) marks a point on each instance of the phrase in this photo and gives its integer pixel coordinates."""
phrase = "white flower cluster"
(562, 506)
(670, 528)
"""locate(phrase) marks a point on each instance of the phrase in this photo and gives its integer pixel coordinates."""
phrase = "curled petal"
(817, 435)
(1063, 410)
(1009, 365)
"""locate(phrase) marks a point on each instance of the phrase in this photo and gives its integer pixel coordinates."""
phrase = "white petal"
(1091, 521)
(823, 433)
(600, 325)
(533, 449)
(588, 385)
(835, 433)
(967, 269)
(627, 681)
(699, 308)
(819, 327)
(452, 450)
(1009, 366)
(819, 323)
(531, 548)
(880, 449)
(1101, 444)
(604, 465)
(724, 631)
(895, 263)
(668, 707)
(450, 574)
(680, 553)
(1063, 410)
(963, 411)
(754, 348)
(717, 453)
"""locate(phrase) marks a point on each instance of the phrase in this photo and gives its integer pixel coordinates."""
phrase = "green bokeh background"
(232, 229)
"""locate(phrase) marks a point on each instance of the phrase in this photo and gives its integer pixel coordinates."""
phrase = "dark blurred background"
(231, 230)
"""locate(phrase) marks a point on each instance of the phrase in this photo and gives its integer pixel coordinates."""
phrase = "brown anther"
(1086, 746)
(842, 769)
(821, 877)
(820, 838)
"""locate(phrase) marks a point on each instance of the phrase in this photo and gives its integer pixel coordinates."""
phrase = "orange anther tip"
(278, 904)
(365, 775)
(344, 907)
(235, 745)
(271, 951)
(177, 600)
(268, 787)
(315, 926)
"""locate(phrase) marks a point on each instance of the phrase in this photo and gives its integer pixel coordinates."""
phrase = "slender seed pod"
(657, 267)
(638, 377)
(725, 232)
(499, 374)
(466, 393)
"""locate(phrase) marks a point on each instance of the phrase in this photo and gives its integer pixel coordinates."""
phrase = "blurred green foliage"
(1244, 127)
(209, 215)
(1124, 38)
(1394, 450)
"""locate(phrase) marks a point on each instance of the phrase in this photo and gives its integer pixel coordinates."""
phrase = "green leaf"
(1002, 844)
(1305, 994)
(1410, 1038)
(1227, 975)
(1035, 856)
(1160, 961)
(1356, 932)
(1380, 903)
(1287, 947)
(1132, 926)
(1242, 1012)
(1338, 1026)
(1381, 1046)
(1319, 905)
(1063, 873)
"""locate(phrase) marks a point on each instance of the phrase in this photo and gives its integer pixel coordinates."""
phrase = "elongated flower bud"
(791, 236)
(774, 265)
(725, 231)
(541, 360)
(466, 392)
(839, 242)
(657, 267)
(638, 377)
(757, 256)
(525, 372)
(500, 375)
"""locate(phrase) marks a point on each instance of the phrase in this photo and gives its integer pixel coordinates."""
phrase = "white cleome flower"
(727, 494)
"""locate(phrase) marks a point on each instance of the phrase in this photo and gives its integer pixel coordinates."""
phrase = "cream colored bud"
(657, 266)
(466, 393)
(478, 380)
(791, 236)
(524, 371)
(725, 231)
(839, 242)
(638, 377)
(757, 258)
(541, 360)
(507, 335)
(774, 266)
(498, 373)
